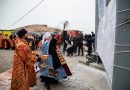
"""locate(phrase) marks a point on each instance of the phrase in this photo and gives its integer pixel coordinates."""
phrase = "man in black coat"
(80, 44)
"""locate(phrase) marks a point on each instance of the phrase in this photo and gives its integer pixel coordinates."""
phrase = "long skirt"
(49, 74)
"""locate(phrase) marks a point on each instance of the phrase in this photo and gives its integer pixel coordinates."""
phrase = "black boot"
(47, 85)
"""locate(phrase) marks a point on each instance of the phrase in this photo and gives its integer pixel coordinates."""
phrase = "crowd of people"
(8, 42)
(51, 63)
(72, 46)
(75, 45)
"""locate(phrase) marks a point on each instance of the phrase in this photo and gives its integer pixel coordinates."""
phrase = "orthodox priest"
(23, 74)
(5, 42)
(1, 40)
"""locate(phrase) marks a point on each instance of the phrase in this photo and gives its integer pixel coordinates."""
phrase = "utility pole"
(65, 24)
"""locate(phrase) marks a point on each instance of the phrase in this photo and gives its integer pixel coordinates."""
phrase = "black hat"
(21, 33)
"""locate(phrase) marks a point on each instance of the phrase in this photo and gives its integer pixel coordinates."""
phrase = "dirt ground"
(83, 78)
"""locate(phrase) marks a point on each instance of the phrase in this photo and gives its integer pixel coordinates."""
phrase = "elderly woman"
(51, 69)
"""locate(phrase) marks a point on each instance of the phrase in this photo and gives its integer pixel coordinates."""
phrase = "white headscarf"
(46, 35)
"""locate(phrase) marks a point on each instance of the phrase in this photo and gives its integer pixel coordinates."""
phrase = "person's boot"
(82, 55)
(47, 85)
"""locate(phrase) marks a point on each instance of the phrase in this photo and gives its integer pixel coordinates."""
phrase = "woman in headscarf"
(51, 69)
(45, 65)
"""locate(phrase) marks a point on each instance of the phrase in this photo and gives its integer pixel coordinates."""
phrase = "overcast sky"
(79, 13)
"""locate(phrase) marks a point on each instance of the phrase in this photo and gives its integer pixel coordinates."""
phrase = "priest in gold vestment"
(23, 74)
